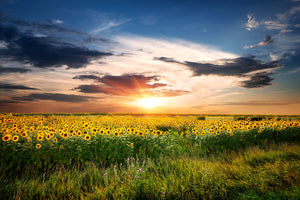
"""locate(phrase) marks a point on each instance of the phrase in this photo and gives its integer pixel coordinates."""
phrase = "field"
(106, 156)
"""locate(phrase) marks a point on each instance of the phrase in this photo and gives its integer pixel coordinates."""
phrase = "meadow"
(107, 156)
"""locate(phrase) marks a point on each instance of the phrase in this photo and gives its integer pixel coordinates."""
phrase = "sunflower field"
(125, 145)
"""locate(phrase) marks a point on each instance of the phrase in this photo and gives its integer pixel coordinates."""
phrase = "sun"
(148, 102)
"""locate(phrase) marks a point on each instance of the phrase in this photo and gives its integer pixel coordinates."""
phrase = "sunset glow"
(215, 57)
(148, 102)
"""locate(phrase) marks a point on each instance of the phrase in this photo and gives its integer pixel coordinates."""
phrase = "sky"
(150, 56)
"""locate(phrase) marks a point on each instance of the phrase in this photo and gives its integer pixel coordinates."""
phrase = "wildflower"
(38, 146)
(131, 144)
(140, 170)
(104, 174)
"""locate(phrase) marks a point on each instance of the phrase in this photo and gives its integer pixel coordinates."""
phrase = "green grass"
(255, 173)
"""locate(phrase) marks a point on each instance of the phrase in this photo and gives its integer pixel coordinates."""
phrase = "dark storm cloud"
(232, 67)
(54, 97)
(258, 80)
(45, 51)
(239, 67)
(126, 85)
(15, 87)
(49, 25)
(7, 102)
(4, 70)
(126, 81)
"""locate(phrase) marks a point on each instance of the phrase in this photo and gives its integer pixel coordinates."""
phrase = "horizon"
(163, 57)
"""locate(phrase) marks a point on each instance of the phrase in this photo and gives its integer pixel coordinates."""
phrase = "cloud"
(258, 80)
(276, 25)
(165, 59)
(239, 67)
(49, 25)
(57, 21)
(4, 70)
(251, 23)
(124, 85)
(267, 41)
(231, 67)
(130, 92)
(54, 97)
(15, 87)
(85, 77)
(44, 52)
(124, 81)
(282, 22)
(3, 45)
(286, 45)
(109, 25)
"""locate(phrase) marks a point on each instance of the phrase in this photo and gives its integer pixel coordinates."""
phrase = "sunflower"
(6, 138)
(65, 135)
(158, 132)
(116, 134)
(61, 146)
(15, 138)
(55, 139)
(87, 137)
(38, 146)
(131, 144)
(48, 137)
(78, 133)
(24, 134)
(40, 137)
